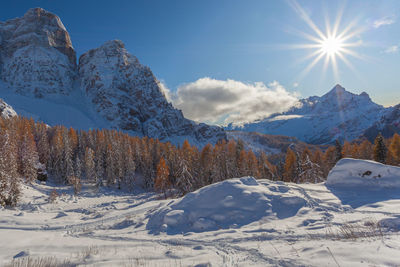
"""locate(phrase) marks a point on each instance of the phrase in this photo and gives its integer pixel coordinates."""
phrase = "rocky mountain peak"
(336, 91)
(128, 95)
(36, 54)
(38, 27)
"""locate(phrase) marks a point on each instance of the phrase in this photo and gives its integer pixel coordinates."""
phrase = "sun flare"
(329, 45)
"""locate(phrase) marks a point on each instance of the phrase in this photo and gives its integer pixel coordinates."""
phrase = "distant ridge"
(338, 114)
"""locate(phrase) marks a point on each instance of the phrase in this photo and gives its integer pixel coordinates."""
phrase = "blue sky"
(245, 41)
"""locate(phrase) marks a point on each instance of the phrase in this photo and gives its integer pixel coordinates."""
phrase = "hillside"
(270, 144)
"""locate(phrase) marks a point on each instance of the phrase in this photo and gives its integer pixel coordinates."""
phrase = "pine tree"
(252, 164)
(290, 167)
(206, 165)
(365, 150)
(90, 168)
(338, 151)
(42, 141)
(162, 182)
(394, 148)
(9, 178)
(28, 156)
(380, 149)
(266, 168)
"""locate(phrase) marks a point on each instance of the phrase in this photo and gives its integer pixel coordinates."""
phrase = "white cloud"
(383, 21)
(230, 101)
(392, 49)
(285, 117)
(295, 85)
(165, 90)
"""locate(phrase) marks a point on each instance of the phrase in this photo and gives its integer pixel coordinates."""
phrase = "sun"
(329, 45)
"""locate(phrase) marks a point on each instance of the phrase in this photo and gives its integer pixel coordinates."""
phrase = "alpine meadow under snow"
(237, 222)
(99, 168)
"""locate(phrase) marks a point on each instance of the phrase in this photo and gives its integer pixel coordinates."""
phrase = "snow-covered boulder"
(366, 173)
(228, 204)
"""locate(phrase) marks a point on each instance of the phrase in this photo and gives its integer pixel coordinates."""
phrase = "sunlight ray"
(338, 21)
(311, 65)
(296, 6)
(308, 56)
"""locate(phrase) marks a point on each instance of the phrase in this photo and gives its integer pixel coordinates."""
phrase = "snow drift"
(228, 204)
(354, 172)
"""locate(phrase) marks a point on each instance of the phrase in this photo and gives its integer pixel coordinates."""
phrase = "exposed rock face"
(127, 94)
(6, 111)
(338, 114)
(36, 54)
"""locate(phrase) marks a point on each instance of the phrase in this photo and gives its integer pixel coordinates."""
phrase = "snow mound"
(228, 204)
(366, 173)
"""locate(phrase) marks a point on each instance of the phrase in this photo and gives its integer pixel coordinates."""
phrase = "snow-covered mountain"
(338, 114)
(388, 125)
(128, 95)
(36, 54)
(40, 78)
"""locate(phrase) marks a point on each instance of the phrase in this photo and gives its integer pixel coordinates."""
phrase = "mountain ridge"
(338, 114)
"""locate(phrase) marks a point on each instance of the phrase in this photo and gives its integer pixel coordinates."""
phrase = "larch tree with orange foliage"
(162, 182)
(394, 148)
(290, 167)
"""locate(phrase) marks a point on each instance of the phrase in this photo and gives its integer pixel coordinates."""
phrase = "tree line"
(115, 159)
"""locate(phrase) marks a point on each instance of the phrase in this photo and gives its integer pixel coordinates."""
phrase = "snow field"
(237, 222)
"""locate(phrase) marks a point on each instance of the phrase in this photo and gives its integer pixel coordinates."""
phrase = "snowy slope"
(237, 222)
(388, 125)
(269, 144)
(71, 110)
(338, 114)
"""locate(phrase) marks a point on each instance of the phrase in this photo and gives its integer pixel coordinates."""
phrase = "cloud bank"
(223, 102)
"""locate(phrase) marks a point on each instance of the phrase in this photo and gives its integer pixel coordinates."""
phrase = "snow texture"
(355, 173)
(228, 204)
